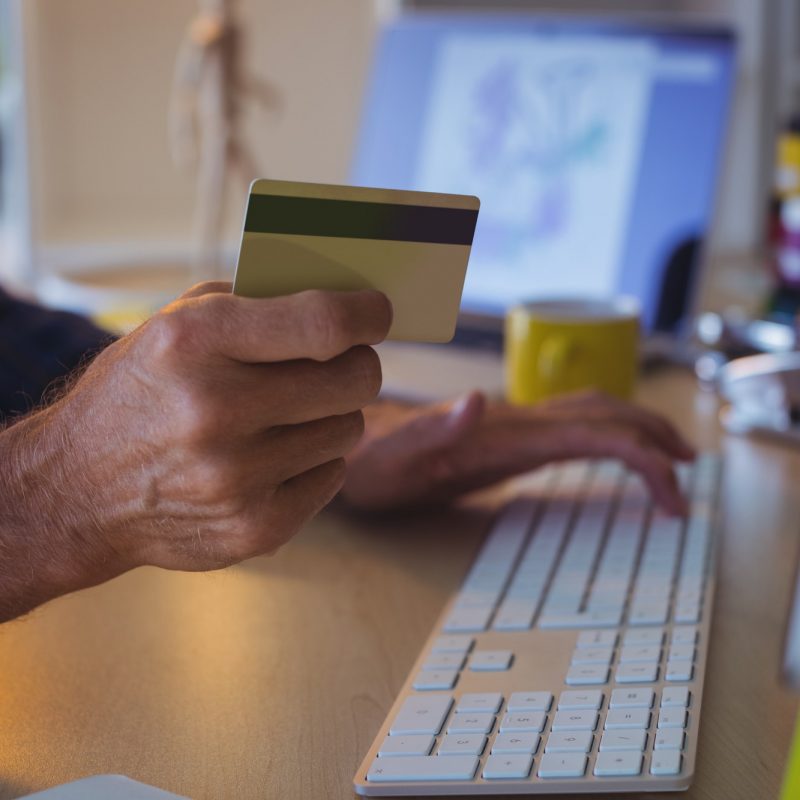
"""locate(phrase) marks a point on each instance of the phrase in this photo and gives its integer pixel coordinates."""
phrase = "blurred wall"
(99, 74)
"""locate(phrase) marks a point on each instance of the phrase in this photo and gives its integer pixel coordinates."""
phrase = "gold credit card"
(412, 246)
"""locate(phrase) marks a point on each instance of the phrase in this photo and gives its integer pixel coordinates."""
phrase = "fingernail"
(457, 409)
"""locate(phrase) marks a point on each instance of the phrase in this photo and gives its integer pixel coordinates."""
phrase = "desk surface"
(270, 679)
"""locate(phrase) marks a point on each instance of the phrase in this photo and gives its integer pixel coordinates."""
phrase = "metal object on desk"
(764, 395)
(736, 334)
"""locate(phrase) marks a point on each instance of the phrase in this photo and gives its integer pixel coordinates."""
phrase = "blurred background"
(99, 204)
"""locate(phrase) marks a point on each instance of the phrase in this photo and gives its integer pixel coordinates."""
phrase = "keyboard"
(572, 657)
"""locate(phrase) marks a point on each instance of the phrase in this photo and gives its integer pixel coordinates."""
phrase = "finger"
(640, 455)
(293, 449)
(300, 499)
(434, 428)
(314, 324)
(660, 428)
(207, 287)
(598, 406)
(294, 392)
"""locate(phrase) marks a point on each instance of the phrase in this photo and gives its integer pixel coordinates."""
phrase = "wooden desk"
(269, 680)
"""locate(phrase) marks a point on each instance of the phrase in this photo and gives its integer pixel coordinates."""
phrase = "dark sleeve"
(37, 347)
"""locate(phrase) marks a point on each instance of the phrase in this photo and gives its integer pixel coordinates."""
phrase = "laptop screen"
(594, 149)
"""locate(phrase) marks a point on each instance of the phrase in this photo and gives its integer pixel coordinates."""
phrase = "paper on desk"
(103, 787)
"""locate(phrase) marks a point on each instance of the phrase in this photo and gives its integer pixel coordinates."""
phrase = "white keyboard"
(572, 657)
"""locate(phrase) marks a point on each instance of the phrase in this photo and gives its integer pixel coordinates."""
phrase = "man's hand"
(210, 434)
(423, 455)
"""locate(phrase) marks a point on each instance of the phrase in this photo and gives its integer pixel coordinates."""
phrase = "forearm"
(45, 524)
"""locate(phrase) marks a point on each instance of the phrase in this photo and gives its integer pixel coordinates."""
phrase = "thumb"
(436, 427)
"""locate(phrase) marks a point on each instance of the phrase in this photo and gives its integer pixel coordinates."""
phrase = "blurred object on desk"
(763, 393)
(732, 334)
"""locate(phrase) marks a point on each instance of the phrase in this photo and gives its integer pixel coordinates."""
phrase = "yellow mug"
(557, 346)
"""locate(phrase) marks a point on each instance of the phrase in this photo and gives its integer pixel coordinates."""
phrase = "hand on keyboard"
(428, 454)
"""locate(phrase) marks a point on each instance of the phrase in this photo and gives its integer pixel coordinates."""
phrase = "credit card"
(412, 246)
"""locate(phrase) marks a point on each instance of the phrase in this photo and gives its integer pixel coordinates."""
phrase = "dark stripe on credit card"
(355, 219)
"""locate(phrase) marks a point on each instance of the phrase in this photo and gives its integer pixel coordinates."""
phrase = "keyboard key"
(516, 615)
(612, 764)
(634, 653)
(530, 701)
(624, 740)
(575, 700)
(636, 673)
(684, 634)
(423, 768)
(681, 652)
(679, 671)
(667, 762)
(523, 742)
(468, 619)
(569, 742)
(672, 718)
(444, 661)
(462, 744)
(483, 701)
(412, 745)
(597, 639)
(586, 675)
(480, 722)
(575, 720)
(593, 655)
(490, 660)
(632, 698)
(584, 619)
(453, 643)
(507, 766)
(624, 718)
(675, 696)
(435, 679)
(422, 714)
(524, 721)
(648, 615)
(562, 765)
(644, 636)
(669, 739)
(688, 613)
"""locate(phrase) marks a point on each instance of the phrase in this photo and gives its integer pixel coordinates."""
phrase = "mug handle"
(554, 354)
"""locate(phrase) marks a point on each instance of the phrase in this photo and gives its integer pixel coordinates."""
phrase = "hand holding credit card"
(412, 246)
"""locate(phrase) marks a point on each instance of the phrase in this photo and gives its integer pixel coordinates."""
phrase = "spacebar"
(423, 768)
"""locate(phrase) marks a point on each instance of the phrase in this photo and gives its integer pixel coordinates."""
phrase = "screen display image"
(595, 150)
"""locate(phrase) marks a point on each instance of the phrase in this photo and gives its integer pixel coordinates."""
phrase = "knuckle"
(197, 415)
(267, 537)
(206, 288)
(330, 325)
(367, 371)
(170, 333)
(243, 538)
(345, 432)
(337, 470)
(214, 483)
(353, 426)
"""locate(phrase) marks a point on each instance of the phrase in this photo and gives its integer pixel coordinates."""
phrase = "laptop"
(595, 148)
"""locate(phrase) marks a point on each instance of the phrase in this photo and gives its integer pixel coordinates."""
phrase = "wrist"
(50, 539)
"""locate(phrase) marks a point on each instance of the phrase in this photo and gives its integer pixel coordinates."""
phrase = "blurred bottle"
(784, 224)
